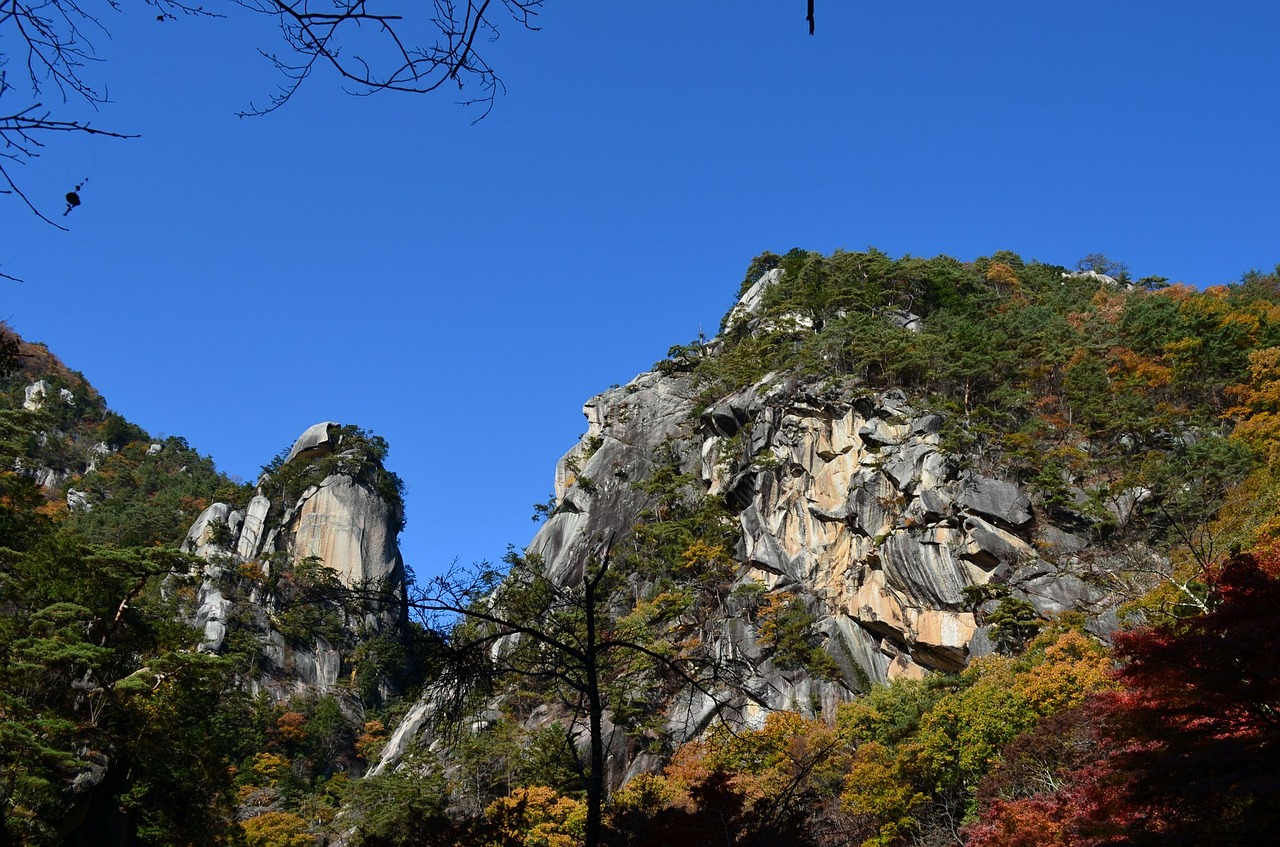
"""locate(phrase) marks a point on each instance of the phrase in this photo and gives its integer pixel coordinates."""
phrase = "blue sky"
(462, 289)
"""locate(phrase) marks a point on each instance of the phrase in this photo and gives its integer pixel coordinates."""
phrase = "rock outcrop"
(845, 498)
(847, 502)
(341, 522)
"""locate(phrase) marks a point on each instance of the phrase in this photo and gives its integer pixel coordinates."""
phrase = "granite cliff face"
(338, 520)
(845, 499)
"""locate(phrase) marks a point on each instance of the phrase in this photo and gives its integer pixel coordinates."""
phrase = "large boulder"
(349, 528)
(313, 442)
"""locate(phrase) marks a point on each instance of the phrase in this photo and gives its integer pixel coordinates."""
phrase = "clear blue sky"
(461, 290)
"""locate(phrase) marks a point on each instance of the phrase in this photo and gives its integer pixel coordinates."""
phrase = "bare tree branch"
(370, 48)
(314, 31)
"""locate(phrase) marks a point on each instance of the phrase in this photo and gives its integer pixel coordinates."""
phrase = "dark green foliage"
(795, 644)
(1013, 622)
(308, 598)
(9, 346)
(96, 671)
(405, 808)
(141, 497)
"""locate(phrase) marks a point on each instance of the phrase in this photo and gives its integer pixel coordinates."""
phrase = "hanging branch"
(370, 48)
(20, 137)
(314, 32)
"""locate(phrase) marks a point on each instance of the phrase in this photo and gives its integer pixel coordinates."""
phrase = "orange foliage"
(370, 742)
(1178, 292)
(269, 767)
(1126, 363)
(1074, 667)
(1257, 408)
(289, 726)
(192, 505)
(1108, 304)
(52, 508)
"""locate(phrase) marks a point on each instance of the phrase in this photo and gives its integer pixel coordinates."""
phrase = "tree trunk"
(595, 710)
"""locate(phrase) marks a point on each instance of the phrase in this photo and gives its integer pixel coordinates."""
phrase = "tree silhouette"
(561, 636)
(49, 50)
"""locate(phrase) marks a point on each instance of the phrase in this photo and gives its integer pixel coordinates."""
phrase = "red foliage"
(1197, 726)
(1185, 754)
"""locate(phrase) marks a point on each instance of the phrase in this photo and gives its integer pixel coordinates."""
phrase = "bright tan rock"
(346, 525)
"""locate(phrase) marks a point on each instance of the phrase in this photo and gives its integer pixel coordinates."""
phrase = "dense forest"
(1082, 386)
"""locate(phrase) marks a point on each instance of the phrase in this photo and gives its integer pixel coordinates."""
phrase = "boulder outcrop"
(341, 522)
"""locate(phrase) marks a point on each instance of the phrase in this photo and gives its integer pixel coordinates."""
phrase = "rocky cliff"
(320, 504)
(847, 501)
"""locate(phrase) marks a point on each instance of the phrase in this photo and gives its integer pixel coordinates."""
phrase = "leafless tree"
(48, 52)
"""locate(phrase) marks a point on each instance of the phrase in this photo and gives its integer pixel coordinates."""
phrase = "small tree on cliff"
(560, 638)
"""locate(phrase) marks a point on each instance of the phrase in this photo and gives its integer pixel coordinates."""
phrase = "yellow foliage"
(875, 786)
(707, 559)
(537, 816)
(1257, 408)
(646, 793)
(1006, 281)
(775, 605)
(269, 766)
(1250, 515)
(1073, 667)
(277, 829)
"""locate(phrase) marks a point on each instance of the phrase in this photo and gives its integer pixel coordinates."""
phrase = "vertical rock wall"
(348, 526)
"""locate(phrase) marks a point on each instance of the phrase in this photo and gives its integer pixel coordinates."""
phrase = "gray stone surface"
(349, 528)
(991, 498)
(249, 544)
(33, 395)
(313, 441)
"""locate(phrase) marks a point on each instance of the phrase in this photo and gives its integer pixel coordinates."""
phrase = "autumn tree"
(777, 784)
(1182, 754)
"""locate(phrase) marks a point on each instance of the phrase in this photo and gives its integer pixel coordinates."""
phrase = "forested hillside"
(914, 551)
(124, 717)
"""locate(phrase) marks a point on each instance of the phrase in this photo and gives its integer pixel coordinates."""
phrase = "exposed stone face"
(314, 441)
(625, 429)
(202, 537)
(844, 499)
(348, 526)
(249, 544)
